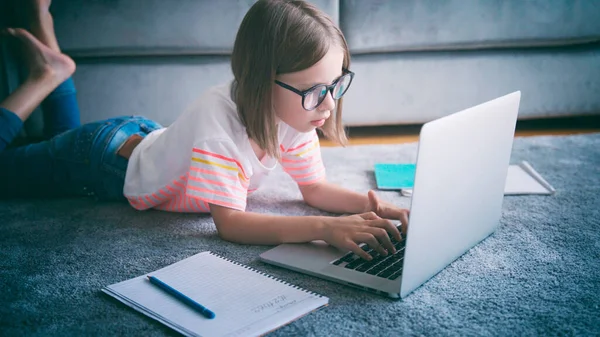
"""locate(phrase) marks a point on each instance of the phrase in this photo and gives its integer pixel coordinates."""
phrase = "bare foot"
(41, 23)
(43, 63)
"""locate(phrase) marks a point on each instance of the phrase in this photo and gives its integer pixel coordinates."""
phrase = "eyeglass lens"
(317, 95)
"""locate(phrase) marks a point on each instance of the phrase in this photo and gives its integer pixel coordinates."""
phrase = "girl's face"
(288, 104)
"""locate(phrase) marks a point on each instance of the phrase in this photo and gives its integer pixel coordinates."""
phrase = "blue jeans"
(76, 160)
(79, 162)
(60, 112)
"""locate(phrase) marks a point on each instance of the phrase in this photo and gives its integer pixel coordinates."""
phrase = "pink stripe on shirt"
(218, 183)
(299, 146)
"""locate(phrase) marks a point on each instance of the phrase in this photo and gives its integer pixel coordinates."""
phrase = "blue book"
(395, 176)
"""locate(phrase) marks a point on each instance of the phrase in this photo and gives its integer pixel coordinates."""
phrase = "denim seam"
(105, 148)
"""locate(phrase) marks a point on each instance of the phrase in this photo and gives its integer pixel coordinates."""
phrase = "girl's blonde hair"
(279, 37)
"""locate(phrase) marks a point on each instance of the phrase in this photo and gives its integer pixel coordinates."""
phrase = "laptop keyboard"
(389, 266)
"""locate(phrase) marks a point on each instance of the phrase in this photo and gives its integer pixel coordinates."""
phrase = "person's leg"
(84, 161)
(47, 69)
(59, 167)
(41, 23)
(31, 169)
(10, 125)
(60, 108)
(81, 161)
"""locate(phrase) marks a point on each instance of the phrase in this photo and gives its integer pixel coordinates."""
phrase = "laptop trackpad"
(314, 255)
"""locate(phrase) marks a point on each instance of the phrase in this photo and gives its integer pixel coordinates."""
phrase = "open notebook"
(521, 179)
(246, 302)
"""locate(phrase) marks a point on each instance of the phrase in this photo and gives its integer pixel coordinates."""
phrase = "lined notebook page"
(244, 301)
(523, 179)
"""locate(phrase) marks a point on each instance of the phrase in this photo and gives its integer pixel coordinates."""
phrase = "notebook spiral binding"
(267, 275)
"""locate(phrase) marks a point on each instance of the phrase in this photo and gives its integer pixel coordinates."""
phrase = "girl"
(291, 68)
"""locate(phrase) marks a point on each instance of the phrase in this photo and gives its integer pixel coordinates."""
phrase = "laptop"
(468, 153)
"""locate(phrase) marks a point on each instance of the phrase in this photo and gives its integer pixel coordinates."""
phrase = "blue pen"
(197, 306)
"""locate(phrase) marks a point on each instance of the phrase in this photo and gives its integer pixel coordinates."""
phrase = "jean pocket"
(111, 162)
(111, 169)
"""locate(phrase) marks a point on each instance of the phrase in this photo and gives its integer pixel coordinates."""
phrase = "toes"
(10, 32)
(19, 31)
(23, 34)
(16, 32)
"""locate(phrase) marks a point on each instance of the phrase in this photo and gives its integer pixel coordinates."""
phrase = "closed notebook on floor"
(395, 176)
(245, 302)
(521, 179)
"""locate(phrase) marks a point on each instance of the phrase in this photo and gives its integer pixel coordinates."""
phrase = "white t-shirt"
(205, 157)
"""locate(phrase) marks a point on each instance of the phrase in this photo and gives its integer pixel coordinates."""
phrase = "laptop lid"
(462, 164)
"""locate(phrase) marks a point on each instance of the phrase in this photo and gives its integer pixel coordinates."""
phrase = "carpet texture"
(539, 274)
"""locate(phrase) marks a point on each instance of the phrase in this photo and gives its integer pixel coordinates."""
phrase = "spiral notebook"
(246, 302)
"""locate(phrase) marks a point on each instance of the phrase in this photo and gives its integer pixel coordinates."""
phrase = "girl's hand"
(388, 211)
(347, 232)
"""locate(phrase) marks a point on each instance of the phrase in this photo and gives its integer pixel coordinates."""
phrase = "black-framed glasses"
(315, 95)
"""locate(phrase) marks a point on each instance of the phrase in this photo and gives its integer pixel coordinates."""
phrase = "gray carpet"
(539, 274)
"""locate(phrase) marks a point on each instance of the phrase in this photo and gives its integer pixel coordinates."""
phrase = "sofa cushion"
(132, 27)
(402, 25)
(413, 88)
(159, 88)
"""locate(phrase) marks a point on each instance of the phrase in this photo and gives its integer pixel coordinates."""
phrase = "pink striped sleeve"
(217, 175)
(302, 159)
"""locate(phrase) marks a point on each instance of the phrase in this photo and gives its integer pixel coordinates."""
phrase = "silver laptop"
(462, 164)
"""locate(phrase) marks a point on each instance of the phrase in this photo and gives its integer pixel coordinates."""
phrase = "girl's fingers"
(387, 226)
(369, 216)
(355, 248)
(372, 241)
(383, 238)
(373, 200)
(404, 221)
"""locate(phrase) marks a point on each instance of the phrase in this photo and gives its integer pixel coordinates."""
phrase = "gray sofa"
(415, 60)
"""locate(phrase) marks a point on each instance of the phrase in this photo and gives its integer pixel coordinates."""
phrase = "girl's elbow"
(225, 231)
(310, 202)
(225, 222)
(310, 193)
